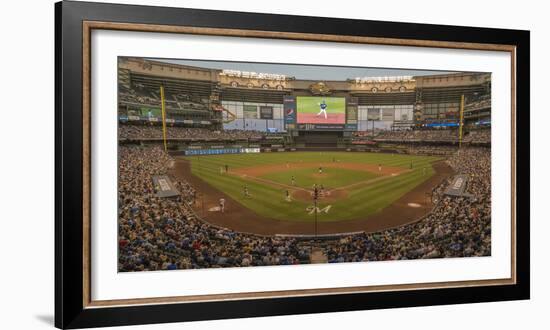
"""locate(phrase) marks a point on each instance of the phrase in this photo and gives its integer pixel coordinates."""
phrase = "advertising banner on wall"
(289, 109)
(352, 110)
(266, 112)
(250, 150)
(388, 114)
(373, 114)
(250, 111)
(351, 114)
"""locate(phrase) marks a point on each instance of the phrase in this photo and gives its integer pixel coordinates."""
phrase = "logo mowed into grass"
(311, 209)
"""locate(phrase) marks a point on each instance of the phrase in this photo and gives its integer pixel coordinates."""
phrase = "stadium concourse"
(165, 233)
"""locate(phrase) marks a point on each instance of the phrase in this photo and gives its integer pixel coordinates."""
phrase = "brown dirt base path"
(242, 219)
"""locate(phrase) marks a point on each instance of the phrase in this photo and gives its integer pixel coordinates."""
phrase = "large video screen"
(321, 110)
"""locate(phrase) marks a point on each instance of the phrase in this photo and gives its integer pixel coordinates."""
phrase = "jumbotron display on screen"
(321, 110)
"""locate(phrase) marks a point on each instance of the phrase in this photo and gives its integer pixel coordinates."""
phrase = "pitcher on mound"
(323, 108)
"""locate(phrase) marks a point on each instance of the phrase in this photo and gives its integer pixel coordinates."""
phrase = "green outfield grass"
(310, 104)
(330, 178)
(267, 199)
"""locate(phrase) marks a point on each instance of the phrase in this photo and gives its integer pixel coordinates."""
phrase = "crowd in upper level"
(144, 132)
(147, 97)
(434, 135)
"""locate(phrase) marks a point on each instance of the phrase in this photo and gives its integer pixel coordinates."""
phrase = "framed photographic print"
(218, 164)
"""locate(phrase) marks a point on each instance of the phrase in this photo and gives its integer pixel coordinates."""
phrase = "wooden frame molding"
(89, 26)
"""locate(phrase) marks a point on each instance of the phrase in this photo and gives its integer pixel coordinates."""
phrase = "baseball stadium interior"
(229, 168)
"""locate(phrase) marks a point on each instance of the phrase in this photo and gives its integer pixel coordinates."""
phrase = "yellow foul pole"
(461, 123)
(163, 116)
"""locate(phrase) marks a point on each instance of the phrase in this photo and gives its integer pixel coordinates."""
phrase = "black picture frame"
(70, 311)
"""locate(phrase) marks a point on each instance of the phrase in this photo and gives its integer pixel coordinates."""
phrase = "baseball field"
(279, 186)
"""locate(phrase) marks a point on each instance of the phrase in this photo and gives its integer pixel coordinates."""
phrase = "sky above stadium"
(307, 72)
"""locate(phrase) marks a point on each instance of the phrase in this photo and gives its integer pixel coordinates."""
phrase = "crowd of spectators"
(178, 101)
(146, 132)
(162, 233)
(430, 150)
(478, 136)
(456, 227)
(433, 135)
(481, 102)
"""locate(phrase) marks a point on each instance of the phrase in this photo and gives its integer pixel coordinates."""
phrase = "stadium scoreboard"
(321, 113)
